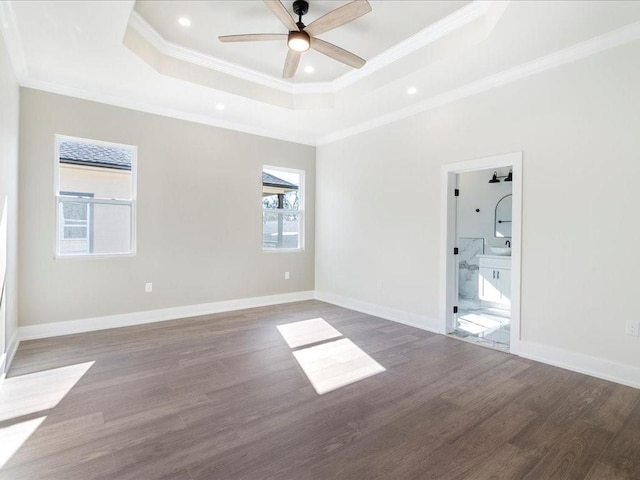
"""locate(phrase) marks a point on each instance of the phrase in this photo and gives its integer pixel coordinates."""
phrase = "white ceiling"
(386, 25)
(137, 56)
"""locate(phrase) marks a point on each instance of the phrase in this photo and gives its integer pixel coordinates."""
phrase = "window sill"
(90, 256)
(282, 250)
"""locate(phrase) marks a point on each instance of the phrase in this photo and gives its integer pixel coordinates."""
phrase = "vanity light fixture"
(507, 178)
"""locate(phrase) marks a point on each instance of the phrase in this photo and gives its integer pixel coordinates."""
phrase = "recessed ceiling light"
(220, 106)
(309, 69)
(412, 90)
(184, 21)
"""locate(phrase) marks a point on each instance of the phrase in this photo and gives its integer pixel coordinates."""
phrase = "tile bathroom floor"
(489, 327)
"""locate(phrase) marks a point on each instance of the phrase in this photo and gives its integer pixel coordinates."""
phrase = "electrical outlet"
(148, 287)
(633, 327)
(286, 275)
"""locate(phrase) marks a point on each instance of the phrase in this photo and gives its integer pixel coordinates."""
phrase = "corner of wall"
(406, 318)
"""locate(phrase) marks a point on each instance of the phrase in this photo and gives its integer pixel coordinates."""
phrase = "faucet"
(508, 243)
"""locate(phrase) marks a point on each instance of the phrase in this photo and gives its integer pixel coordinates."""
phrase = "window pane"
(105, 230)
(89, 174)
(287, 201)
(280, 230)
(75, 213)
(104, 171)
(111, 229)
(281, 201)
(72, 231)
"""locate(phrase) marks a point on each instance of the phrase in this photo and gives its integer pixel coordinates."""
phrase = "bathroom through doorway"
(482, 265)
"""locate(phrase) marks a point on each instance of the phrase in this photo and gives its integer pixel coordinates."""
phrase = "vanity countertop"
(494, 256)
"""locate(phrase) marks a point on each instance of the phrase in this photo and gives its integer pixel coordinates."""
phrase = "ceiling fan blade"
(252, 37)
(337, 17)
(280, 11)
(337, 53)
(291, 63)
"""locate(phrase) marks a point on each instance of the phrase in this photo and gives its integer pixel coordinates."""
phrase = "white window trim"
(300, 211)
(94, 200)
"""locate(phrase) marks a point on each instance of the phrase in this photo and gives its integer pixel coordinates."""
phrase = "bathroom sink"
(504, 251)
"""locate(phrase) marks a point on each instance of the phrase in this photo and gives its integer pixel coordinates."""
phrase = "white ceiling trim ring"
(428, 35)
(574, 53)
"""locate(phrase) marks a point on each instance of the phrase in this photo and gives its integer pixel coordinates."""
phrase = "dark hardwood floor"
(222, 397)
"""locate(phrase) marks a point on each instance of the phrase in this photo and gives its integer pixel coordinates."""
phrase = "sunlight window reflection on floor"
(14, 436)
(306, 332)
(35, 392)
(28, 394)
(336, 364)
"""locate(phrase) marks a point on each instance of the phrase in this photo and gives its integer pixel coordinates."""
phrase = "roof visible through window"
(93, 155)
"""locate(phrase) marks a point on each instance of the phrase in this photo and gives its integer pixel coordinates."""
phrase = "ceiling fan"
(301, 37)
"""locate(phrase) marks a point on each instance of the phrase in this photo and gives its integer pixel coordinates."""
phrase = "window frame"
(59, 197)
(300, 212)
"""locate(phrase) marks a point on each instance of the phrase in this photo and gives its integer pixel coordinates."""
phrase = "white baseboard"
(400, 316)
(44, 330)
(7, 358)
(596, 367)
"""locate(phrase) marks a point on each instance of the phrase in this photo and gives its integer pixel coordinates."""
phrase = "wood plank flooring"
(222, 397)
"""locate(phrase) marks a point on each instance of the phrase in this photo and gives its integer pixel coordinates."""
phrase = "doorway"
(481, 245)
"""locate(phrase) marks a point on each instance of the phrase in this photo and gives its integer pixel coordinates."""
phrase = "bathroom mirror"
(503, 217)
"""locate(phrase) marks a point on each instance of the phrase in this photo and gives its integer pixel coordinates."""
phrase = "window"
(95, 198)
(282, 208)
(77, 226)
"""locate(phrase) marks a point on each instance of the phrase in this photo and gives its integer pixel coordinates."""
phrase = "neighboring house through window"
(95, 196)
(282, 208)
(76, 224)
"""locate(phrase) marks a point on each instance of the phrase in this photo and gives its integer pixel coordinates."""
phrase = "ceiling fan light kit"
(302, 37)
(298, 41)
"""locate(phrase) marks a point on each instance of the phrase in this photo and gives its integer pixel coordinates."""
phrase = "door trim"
(448, 273)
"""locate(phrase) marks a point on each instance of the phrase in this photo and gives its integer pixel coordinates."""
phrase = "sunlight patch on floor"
(14, 436)
(28, 394)
(476, 324)
(306, 332)
(336, 364)
(39, 391)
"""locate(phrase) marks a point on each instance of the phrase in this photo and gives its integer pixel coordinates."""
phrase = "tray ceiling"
(420, 55)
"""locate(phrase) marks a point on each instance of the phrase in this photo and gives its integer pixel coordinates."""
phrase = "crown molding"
(150, 107)
(12, 38)
(147, 32)
(615, 38)
(432, 33)
(426, 36)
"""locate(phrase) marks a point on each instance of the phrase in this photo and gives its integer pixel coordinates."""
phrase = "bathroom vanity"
(494, 281)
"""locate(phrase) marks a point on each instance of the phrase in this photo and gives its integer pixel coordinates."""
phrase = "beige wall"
(9, 101)
(378, 203)
(199, 230)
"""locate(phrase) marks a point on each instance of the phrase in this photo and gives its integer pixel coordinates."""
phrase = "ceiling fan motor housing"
(300, 7)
